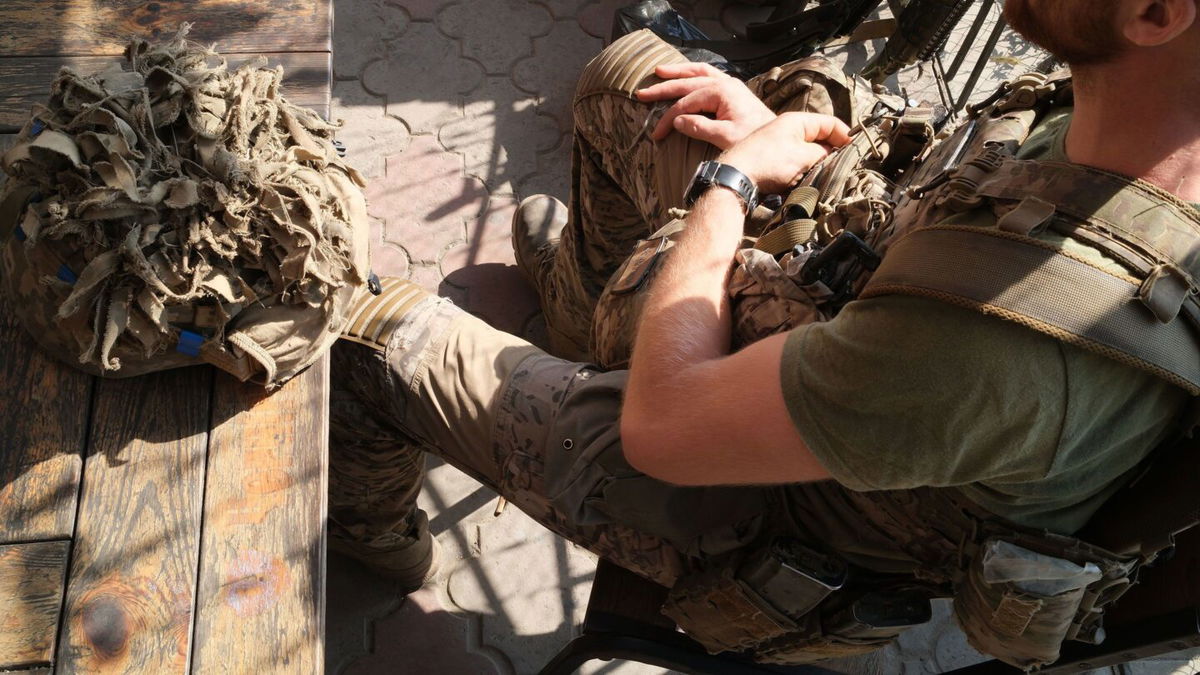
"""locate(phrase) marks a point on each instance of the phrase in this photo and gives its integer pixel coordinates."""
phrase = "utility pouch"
(732, 608)
(881, 614)
(1019, 605)
(637, 269)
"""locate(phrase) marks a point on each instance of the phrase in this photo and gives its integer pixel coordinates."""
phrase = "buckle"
(821, 266)
(960, 191)
(1025, 93)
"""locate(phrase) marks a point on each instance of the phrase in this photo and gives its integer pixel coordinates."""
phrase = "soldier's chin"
(1080, 32)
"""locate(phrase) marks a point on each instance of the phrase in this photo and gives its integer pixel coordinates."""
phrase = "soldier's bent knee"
(625, 65)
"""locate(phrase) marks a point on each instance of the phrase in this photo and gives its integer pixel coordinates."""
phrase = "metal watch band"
(715, 174)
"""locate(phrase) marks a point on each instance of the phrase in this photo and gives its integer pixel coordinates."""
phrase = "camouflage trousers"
(541, 430)
(625, 185)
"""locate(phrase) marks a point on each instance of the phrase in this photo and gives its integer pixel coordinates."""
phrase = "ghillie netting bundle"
(178, 211)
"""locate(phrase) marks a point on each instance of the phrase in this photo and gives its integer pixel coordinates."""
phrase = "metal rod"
(990, 47)
(939, 77)
(965, 47)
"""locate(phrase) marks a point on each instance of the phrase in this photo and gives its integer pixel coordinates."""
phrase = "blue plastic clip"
(37, 128)
(65, 274)
(19, 233)
(189, 343)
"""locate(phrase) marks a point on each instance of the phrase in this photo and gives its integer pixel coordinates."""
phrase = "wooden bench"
(173, 522)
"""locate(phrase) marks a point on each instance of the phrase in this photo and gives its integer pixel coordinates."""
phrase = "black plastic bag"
(668, 24)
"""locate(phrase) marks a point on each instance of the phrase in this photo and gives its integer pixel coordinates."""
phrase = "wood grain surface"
(94, 27)
(25, 81)
(31, 592)
(132, 583)
(44, 410)
(260, 604)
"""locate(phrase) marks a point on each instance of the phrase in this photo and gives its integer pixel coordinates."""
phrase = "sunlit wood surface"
(173, 522)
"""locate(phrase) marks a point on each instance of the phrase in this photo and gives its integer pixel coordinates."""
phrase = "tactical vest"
(867, 222)
(179, 212)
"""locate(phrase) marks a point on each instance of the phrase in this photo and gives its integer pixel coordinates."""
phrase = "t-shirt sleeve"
(900, 392)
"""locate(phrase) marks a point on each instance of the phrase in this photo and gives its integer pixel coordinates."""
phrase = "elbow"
(637, 442)
(649, 447)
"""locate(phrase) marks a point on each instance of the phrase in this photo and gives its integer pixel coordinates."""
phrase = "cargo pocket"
(614, 323)
(1018, 605)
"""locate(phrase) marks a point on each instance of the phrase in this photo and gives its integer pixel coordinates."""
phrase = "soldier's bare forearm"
(686, 321)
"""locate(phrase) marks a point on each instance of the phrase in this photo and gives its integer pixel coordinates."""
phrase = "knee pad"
(625, 65)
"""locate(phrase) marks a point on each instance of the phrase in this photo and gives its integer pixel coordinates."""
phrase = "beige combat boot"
(536, 229)
(412, 559)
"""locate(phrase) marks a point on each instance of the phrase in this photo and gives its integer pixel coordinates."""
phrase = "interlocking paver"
(495, 33)
(389, 259)
(424, 78)
(431, 637)
(553, 172)
(500, 134)
(527, 585)
(424, 10)
(375, 24)
(562, 9)
(368, 132)
(596, 17)
(358, 597)
(550, 74)
(424, 199)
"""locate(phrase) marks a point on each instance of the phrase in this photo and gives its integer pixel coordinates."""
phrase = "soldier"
(970, 403)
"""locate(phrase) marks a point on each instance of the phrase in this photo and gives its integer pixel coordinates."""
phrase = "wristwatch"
(715, 174)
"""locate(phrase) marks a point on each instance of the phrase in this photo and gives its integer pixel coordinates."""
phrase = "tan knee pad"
(626, 65)
(376, 317)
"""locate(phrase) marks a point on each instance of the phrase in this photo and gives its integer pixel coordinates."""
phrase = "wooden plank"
(95, 27)
(31, 593)
(25, 81)
(260, 604)
(45, 412)
(133, 571)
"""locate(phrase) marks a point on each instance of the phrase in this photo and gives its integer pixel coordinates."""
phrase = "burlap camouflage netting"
(177, 212)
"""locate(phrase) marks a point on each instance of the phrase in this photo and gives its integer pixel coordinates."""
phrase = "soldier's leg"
(541, 431)
(375, 476)
(622, 184)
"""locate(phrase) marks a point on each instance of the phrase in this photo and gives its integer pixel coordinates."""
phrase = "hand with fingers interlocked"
(712, 106)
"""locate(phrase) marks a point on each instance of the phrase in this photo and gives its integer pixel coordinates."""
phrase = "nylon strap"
(1152, 219)
(783, 238)
(1033, 283)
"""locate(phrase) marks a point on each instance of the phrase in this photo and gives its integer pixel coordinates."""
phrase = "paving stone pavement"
(455, 110)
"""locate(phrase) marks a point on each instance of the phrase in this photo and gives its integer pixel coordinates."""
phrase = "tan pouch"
(1018, 605)
(722, 613)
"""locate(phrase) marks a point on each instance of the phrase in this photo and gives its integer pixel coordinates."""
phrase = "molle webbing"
(1149, 218)
(1032, 283)
(1150, 319)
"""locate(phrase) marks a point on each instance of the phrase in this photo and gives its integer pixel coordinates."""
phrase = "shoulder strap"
(1150, 321)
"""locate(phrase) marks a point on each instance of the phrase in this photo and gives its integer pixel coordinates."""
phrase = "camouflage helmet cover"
(180, 212)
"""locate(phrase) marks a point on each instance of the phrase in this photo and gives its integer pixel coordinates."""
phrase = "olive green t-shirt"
(900, 392)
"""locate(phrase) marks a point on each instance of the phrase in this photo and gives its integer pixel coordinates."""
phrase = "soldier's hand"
(778, 155)
(712, 106)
